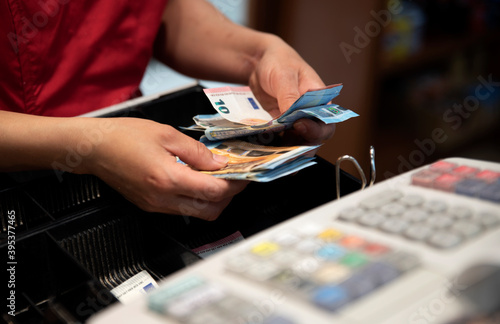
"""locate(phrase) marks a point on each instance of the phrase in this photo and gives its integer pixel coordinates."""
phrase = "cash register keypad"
(326, 266)
(432, 221)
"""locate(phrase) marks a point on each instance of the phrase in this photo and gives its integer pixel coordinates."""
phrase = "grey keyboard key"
(435, 206)
(418, 232)
(402, 261)
(466, 228)
(445, 239)
(394, 225)
(487, 219)
(412, 200)
(459, 212)
(415, 215)
(439, 221)
(393, 209)
(351, 214)
(371, 219)
(381, 199)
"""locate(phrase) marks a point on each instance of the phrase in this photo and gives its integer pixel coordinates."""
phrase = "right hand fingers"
(190, 193)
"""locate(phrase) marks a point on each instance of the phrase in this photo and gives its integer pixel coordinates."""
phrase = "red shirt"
(69, 57)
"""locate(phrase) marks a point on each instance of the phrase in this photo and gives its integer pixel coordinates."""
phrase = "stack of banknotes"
(240, 114)
(258, 162)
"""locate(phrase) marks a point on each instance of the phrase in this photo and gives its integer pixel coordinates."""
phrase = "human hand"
(280, 77)
(138, 159)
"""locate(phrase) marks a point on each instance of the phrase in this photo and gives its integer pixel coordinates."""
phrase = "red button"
(375, 249)
(442, 166)
(465, 171)
(488, 176)
(424, 178)
(447, 182)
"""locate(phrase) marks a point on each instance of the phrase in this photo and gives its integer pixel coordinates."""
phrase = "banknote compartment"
(47, 281)
(20, 214)
(117, 242)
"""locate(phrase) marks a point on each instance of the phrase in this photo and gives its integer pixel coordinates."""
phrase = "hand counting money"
(240, 114)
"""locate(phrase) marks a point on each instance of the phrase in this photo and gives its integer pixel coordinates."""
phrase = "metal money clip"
(358, 167)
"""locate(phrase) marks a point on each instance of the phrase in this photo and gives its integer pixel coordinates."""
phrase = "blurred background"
(424, 76)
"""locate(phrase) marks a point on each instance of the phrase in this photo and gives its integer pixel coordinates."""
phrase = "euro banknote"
(261, 163)
(240, 114)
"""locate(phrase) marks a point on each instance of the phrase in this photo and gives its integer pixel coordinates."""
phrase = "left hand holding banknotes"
(138, 159)
(280, 77)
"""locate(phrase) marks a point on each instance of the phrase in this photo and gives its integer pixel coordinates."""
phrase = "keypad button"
(487, 219)
(330, 298)
(375, 249)
(286, 238)
(353, 260)
(371, 219)
(415, 215)
(331, 273)
(412, 200)
(491, 192)
(331, 252)
(459, 212)
(466, 228)
(394, 225)
(240, 263)
(445, 240)
(262, 271)
(206, 316)
(435, 206)
(381, 272)
(308, 246)
(351, 214)
(330, 235)
(289, 280)
(465, 171)
(424, 178)
(470, 187)
(393, 209)
(418, 232)
(359, 285)
(381, 199)
(286, 257)
(306, 266)
(488, 176)
(402, 261)
(278, 320)
(265, 249)
(446, 182)
(442, 166)
(439, 221)
(352, 242)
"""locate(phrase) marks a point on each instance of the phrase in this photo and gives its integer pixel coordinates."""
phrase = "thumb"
(201, 158)
(287, 92)
(195, 153)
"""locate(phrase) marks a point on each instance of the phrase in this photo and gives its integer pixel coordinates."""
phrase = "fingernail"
(221, 158)
(300, 127)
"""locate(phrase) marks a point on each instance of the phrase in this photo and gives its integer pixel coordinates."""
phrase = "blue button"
(359, 285)
(381, 272)
(331, 252)
(470, 187)
(330, 297)
(491, 192)
(278, 320)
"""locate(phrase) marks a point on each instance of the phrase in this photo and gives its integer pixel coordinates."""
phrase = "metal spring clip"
(358, 167)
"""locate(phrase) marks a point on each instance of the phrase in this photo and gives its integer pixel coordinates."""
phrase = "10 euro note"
(240, 114)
